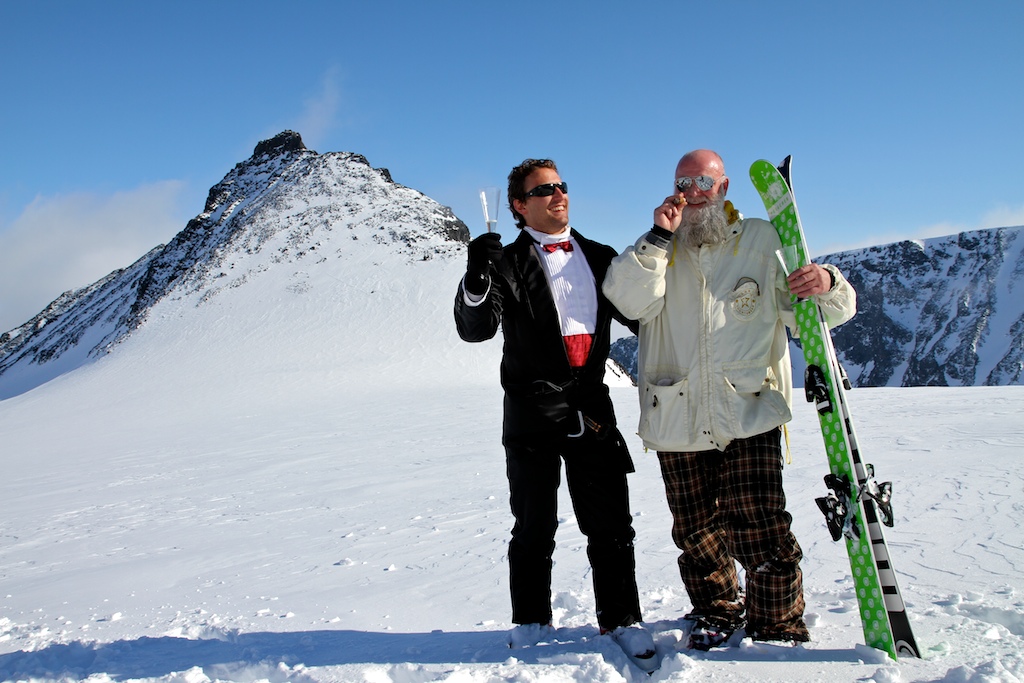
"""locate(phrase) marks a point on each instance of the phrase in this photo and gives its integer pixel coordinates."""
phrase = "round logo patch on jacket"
(745, 299)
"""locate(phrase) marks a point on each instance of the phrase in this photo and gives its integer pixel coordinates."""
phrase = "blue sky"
(904, 118)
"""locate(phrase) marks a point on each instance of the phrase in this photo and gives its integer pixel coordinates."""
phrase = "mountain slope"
(937, 312)
(286, 210)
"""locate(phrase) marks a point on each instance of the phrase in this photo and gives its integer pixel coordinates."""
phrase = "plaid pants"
(730, 506)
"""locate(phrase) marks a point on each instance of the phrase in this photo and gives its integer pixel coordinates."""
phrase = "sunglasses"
(548, 189)
(703, 182)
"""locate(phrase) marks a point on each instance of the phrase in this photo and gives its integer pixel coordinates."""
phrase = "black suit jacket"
(544, 395)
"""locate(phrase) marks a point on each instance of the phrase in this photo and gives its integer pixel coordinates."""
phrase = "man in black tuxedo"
(544, 291)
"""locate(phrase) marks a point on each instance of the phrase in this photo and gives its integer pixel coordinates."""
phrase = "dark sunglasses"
(703, 182)
(548, 189)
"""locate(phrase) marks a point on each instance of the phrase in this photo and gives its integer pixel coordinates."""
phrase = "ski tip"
(785, 168)
(760, 171)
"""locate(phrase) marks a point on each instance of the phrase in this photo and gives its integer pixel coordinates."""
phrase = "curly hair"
(517, 182)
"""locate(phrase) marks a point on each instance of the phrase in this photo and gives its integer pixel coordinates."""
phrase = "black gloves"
(483, 251)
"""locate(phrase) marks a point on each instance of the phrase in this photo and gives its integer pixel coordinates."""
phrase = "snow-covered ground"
(305, 483)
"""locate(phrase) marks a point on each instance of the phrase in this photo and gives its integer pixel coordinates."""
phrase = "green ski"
(856, 506)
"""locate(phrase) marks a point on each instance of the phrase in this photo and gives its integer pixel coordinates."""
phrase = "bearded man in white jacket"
(715, 382)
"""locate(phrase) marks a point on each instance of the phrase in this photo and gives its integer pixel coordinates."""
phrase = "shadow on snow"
(154, 657)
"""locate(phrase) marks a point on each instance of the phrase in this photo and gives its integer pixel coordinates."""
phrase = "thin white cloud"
(69, 241)
(320, 112)
(1003, 216)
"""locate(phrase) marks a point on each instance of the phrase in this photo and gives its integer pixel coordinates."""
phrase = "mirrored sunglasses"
(703, 182)
(548, 189)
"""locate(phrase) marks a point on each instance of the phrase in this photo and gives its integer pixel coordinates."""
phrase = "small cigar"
(677, 200)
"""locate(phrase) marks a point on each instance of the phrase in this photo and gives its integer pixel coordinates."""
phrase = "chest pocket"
(745, 300)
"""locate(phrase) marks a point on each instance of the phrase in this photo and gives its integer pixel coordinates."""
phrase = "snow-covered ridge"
(935, 312)
(285, 205)
(941, 311)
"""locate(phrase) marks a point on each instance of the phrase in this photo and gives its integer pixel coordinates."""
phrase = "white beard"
(708, 224)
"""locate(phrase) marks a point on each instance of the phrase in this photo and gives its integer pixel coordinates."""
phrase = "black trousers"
(595, 471)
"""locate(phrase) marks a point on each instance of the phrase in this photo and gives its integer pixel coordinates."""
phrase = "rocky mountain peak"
(285, 141)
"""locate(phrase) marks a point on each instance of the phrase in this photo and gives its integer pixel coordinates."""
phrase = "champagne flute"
(489, 200)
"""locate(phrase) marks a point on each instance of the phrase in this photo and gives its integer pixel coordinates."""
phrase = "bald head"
(700, 162)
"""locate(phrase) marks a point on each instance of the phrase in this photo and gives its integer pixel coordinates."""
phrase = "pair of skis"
(856, 506)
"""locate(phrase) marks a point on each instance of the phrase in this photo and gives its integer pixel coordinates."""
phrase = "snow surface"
(301, 480)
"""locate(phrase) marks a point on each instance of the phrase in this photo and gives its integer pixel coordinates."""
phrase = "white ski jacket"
(713, 357)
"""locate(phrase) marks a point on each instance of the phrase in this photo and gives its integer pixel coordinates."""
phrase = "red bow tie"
(550, 248)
